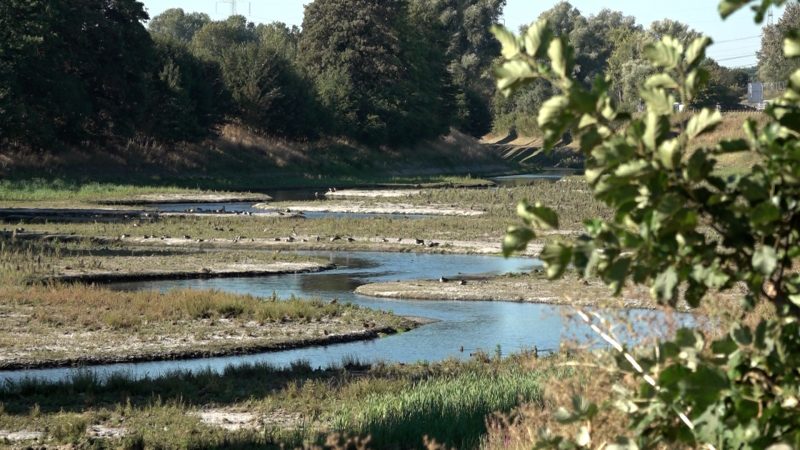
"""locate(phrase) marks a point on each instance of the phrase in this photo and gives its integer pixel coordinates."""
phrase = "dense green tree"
(356, 44)
(214, 39)
(772, 64)
(187, 94)
(470, 55)
(280, 38)
(268, 94)
(726, 87)
(669, 27)
(23, 27)
(176, 24)
(100, 88)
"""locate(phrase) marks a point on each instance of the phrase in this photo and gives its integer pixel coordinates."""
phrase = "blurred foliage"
(684, 232)
(610, 43)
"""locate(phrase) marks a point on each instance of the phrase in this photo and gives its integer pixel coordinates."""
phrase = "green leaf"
(508, 42)
(656, 130)
(510, 73)
(661, 80)
(697, 50)
(552, 110)
(616, 274)
(764, 213)
(537, 215)
(561, 57)
(733, 145)
(537, 35)
(728, 7)
(765, 260)
(703, 122)
(665, 285)
(622, 444)
(666, 53)
(633, 169)
(669, 153)
(794, 80)
(556, 257)
(791, 46)
(516, 240)
(658, 101)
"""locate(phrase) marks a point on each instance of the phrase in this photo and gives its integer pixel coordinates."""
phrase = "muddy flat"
(146, 268)
(340, 243)
(525, 288)
(379, 208)
(206, 197)
(32, 347)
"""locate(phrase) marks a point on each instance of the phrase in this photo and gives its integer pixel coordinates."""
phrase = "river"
(461, 328)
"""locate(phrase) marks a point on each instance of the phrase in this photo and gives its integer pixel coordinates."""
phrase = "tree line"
(612, 44)
(381, 72)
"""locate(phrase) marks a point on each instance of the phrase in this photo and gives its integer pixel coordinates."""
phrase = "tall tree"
(772, 64)
(100, 88)
(352, 48)
(268, 93)
(678, 30)
(470, 54)
(187, 94)
(23, 27)
(175, 23)
(280, 38)
(214, 39)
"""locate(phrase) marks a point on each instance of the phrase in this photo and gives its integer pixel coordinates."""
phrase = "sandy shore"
(372, 193)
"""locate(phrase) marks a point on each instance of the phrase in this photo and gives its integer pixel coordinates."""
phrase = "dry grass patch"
(66, 324)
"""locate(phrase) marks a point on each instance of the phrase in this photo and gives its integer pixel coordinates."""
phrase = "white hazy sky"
(737, 39)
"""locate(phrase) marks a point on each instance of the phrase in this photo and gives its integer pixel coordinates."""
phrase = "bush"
(684, 231)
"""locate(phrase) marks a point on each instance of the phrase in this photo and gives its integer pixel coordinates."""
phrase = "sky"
(736, 40)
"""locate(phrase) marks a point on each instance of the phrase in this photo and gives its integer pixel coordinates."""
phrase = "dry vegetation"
(56, 324)
(238, 159)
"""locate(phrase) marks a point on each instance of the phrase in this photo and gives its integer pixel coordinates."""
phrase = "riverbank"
(55, 326)
(235, 159)
(262, 406)
(523, 288)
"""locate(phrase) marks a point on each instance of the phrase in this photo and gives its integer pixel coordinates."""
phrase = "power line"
(738, 39)
(736, 57)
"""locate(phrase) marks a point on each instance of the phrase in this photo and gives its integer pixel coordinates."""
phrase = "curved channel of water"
(461, 328)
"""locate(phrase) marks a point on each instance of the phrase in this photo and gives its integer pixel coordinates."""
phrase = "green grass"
(34, 190)
(450, 409)
(448, 401)
(60, 190)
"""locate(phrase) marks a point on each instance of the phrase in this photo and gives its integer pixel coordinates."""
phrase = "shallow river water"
(461, 328)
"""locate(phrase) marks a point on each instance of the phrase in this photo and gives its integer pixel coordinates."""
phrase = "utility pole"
(770, 17)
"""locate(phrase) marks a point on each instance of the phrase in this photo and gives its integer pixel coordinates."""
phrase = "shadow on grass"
(85, 390)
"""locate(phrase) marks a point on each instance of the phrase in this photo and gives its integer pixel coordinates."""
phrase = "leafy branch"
(683, 230)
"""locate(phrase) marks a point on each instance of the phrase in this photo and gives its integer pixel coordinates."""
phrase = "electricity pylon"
(235, 6)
